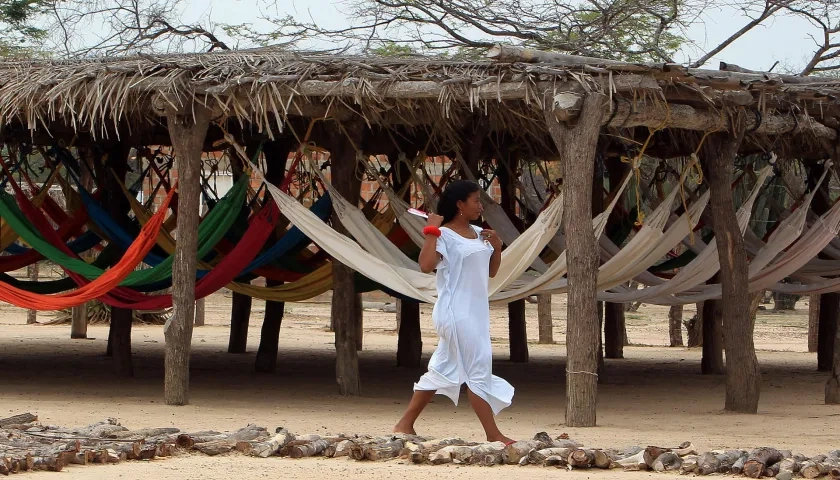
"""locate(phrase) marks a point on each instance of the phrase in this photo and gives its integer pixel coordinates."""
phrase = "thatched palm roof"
(265, 87)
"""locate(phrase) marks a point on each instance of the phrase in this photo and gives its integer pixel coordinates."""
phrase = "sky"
(784, 39)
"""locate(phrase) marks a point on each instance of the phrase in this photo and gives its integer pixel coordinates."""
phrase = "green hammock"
(210, 231)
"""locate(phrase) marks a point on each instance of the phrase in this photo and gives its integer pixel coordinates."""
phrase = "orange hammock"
(102, 285)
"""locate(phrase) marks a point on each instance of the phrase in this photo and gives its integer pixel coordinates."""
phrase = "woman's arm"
(429, 257)
(496, 259)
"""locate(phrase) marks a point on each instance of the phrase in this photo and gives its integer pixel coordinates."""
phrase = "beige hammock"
(699, 270)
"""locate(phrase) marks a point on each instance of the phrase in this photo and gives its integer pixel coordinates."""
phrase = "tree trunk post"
(614, 330)
(32, 274)
(832, 386)
(276, 157)
(200, 311)
(266, 361)
(409, 339)
(187, 130)
(121, 319)
(344, 309)
(360, 322)
(78, 321)
(712, 361)
(517, 329)
(675, 315)
(517, 332)
(117, 205)
(579, 144)
(240, 316)
(827, 330)
(813, 323)
(544, 319)
(743, 376)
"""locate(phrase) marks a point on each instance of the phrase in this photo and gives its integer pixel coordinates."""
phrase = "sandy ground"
(655, 396)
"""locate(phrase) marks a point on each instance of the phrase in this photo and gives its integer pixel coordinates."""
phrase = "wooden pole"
(827, 330)
(582, 326)
(832, 386)
(240, 316)
(187, 129)
(813, 323)
(78, 322)
(615, 334)
(266, 361)
(675, 316)
(276, 157)
(346, 180)
(32, 274)
(240, 308)
(614, 330)
(517, 328)
(118, 206)
(544, 319)
(200, 312)
(409, 338)
(829, 309)
(359, 321)
(743, 376)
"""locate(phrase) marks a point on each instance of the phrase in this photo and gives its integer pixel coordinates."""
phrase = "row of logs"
(26, 445)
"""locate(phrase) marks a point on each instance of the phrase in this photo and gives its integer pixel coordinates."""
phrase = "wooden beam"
(582, 330)
(689, 118)
(409, 338)
(240, 316)
(187, 128)
(743, 376)
(711, 362)
(544, 319)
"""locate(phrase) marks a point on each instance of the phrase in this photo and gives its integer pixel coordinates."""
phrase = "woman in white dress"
(465, 257)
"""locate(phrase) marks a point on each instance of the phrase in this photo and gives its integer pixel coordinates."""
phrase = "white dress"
(461, 317)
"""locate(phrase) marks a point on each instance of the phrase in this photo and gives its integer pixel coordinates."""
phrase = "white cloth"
(461, 319)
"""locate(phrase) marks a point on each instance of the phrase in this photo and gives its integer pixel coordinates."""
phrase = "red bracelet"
(431, 230)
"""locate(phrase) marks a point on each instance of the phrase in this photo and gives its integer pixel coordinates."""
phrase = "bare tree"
(825, 15)
(120, 27)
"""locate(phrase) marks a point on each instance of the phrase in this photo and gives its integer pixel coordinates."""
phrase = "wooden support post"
(813, 322)
(240, 316)
(712, 360)
(276, 157)
(829, 308)
(78, 321)
(360, 326)
(579, 144)
(121, 319)
(344, 310)
(266, 361)
(614, 330)
(827, 330)
(694, 327)
(187, 130)
(409, 340)
(743, 376)
(117, 205)
(32, 274)
(517, 332)
(240, 308)
(675, 316)
(832, 386)
(544, 319)
(200, 304)
(200, 312)
(517, 329)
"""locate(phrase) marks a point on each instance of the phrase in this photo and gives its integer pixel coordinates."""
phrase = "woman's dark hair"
(457, 191)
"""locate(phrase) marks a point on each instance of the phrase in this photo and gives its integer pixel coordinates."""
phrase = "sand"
(655, 396)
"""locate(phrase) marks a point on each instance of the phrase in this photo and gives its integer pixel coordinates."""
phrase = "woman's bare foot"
(408, 430)
(500, 438)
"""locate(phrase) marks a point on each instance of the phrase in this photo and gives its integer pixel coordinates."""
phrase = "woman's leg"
(418, 402)
(485, 416)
